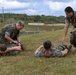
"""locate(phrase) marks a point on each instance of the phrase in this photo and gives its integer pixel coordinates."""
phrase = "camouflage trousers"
(73, 39)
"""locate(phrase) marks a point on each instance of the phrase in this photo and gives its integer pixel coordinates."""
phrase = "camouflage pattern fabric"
(2, 39)
(58, 50)
(71, 20)
(13, 33)
(73, 39)
(40, 53)
(13, 53)
(9, 30)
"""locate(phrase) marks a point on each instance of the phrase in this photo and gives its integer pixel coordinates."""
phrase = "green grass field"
(42, 28)
(27, 64)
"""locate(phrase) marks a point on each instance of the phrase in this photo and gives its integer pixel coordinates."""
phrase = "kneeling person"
(48, 50)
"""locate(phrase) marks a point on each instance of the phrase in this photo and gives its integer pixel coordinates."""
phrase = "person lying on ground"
(48, 50)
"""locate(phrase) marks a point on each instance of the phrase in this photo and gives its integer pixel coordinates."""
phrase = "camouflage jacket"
(55, 52)
(9, 30)
(71, 20)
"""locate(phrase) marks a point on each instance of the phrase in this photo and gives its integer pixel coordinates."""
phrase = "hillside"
(27, 64)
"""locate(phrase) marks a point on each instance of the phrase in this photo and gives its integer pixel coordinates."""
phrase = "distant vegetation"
(11, 18)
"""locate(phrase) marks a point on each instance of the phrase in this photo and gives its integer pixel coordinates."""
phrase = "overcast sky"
(37, 7)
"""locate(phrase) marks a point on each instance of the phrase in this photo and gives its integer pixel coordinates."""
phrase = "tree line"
(10, 17)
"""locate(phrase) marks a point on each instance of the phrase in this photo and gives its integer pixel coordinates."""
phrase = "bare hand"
(63, 40)
(16, 42)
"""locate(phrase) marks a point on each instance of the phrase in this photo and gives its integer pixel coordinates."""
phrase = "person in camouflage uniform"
(70, 19)
(48, 50)
(9, 34)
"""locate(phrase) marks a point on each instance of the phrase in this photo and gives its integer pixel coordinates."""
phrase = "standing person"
(9, 34)
(70, 19)
(48, 50)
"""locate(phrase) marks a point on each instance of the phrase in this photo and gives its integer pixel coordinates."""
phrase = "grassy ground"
(42, 28)
(27, 64)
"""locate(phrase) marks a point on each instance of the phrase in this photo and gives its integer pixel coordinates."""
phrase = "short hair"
(69, 9)
(47, 44)
(3, 47)
(21, 23)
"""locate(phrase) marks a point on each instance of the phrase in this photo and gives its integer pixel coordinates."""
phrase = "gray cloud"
(35, 7)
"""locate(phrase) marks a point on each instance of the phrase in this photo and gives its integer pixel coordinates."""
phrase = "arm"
(74, 30)
(18, 39)
(65, 32)
(60, 53)
(16, 48)
(10, 39)
(19, 43)
(65, 52)
(38, 49)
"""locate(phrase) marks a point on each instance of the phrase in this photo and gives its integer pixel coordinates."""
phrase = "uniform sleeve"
(39, 53)
(60, 53)
(9, 31)
(67, 21)
(57, 53)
